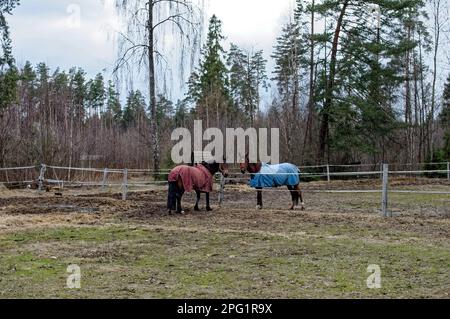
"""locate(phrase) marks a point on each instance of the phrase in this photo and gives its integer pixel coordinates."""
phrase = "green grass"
(123, 262)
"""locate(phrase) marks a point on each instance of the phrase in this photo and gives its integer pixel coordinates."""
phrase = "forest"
(353, 82)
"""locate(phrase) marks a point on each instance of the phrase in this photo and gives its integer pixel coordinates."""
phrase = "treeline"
(357, 89)
(64, 118)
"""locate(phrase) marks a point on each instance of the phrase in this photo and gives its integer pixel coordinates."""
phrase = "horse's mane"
(252, 167)
(212, 167)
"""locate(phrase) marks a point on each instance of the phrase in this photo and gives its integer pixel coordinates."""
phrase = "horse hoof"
(196, 209)
(209, 209)
(259, 207)
(181, 212)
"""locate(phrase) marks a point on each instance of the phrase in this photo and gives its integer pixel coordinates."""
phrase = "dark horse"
(267, 176)
(198, 178)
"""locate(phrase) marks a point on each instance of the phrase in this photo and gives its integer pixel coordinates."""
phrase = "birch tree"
(148, 23)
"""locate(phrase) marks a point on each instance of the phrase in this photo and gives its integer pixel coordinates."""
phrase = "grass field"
(134, 250)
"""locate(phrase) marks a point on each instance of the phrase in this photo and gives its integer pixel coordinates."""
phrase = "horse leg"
(198, 201)
(299, 194)
(208, 207)
(172, 197)
(180, 194)
(294, 196)
(259, 201)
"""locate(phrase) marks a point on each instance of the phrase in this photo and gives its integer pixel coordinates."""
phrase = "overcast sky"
(49, 30)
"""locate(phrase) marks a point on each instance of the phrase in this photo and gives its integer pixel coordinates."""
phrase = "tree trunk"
(437, 33)
(309, 125)
(324, 129)
(152, 90)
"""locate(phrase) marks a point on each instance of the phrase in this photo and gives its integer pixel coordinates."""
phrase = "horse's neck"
(255, 168)
(212, 169)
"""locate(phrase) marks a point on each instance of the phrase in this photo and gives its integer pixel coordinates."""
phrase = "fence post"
(384, 198)
(105, 175)
(222, 189)
(41, 178)
(125, 184)
(328, 173)
(448, 171)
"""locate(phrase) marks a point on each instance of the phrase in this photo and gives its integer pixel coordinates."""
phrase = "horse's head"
(223, 169)
(243, 165)
(246, 166)
(215, 167)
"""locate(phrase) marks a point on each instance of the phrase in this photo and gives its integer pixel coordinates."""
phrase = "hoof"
(181, 212)
(196, 209)
(209, 209)
(259, 207)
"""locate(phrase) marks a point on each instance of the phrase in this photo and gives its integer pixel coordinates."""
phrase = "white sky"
(49, 31)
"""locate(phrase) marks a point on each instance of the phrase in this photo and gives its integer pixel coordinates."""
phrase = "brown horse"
(198, 178)
(267, 176)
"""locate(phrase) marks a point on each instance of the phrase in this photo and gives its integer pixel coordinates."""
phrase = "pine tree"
(209, 85)
(247, 76)
(79, 93)
(363, 76)
(113, 106)
(290, 66)
(8, 70)
(96, 95)
(134, 110)
(445, 119)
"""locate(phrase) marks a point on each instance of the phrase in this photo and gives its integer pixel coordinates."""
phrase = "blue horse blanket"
(276, 175)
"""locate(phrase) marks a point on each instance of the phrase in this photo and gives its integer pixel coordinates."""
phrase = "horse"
(267, 176)
(198, 178)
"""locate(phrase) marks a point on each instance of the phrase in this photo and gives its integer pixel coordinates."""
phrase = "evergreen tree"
(79, 93)
(445, 119)
(290, 67)
(113, 106)
(364, 74)
(209, 86)
(134, 110)
(8, 71)
(181, 114)
(247, 76)
(96, 95)
(165, 110)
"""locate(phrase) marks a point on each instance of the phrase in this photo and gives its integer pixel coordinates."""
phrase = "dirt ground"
(134, 249)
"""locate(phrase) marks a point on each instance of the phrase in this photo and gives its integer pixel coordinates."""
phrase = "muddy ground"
(134, 249)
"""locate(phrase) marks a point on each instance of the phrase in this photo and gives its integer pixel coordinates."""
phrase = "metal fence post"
(105, 175)
(328, 173)
(222, 190)
(125, 184)
(41, 178)
(384, 198)
(448, 171)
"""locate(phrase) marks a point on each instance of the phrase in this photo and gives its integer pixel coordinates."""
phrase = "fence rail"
(124, 181)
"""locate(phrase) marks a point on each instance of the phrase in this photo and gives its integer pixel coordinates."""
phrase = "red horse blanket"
(196, 178)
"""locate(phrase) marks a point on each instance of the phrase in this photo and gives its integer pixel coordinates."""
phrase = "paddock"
(133, 249)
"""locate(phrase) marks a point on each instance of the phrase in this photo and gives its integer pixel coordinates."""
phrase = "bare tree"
(438, 26)
(141, 46)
